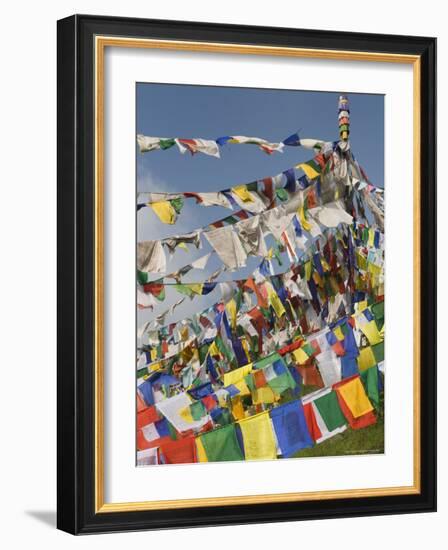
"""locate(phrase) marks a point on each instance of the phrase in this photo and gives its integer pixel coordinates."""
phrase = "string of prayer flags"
(231, 382)
(264, 145)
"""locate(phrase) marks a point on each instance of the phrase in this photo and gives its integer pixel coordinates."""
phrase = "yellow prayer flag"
(242, 192)
(300, 356)
(213, 349)
(355, 397)
(371, 239)
(234, 376)
(245, 347)
(305, 224)
(183, 246)
(374, 269)
(372, 333)
(164, 211)
(231, 309)
(196, 287)
(184, 334)
(264, 395)
(318, 279)
(153, 354)
(276, 303)
(339, 334)
(362, 305)
(155, 366)
(325, 264)
(222, 400)
(366, 358)
(361, 261)
(237, 408)
(242, 387)
(309, 170)
(200, 451)
(258, 437)
(308, 270)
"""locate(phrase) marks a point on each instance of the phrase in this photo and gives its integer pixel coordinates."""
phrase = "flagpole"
(344, 118)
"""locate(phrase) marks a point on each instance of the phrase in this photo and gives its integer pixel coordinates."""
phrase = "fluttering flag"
(212, 387)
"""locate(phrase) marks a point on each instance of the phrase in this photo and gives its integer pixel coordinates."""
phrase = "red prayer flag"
(311, 376)
(209, 402)
(311, 422)
(147, 416)
(259, 378)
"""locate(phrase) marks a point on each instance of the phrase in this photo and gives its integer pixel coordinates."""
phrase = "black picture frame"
(75, 274)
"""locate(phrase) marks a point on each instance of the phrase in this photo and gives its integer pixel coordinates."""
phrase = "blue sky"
(168, 110)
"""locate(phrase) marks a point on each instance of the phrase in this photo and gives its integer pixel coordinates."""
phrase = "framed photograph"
(246, 274)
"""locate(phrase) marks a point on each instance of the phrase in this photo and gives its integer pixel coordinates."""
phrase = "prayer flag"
(181, 451)
(165, 211)
(352, 392)
(258, 437)
(290, 428)
(330, 411)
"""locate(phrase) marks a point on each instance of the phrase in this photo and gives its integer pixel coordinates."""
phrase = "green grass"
(368, 440)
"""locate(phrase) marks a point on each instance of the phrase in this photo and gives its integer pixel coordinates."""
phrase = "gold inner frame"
(101, 42)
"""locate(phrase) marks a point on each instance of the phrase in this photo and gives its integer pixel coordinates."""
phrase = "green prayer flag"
(308, 349)
(329, 409)
(281, 383)
(166, 143)
(249, 379)
(184, 289)
(222, 444)
(369, 378)
(282, 194)
(142, 277)
(224, 349)
(378, 312)
(266, 361)
(378, 352)
(172, 430)
(203, 351)
(197, 410)
(177, 204)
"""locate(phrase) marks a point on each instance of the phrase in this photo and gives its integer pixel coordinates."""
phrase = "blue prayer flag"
(290, 428)
(293, 140)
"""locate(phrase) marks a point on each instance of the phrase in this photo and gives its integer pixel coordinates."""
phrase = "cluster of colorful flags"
(281, 361)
